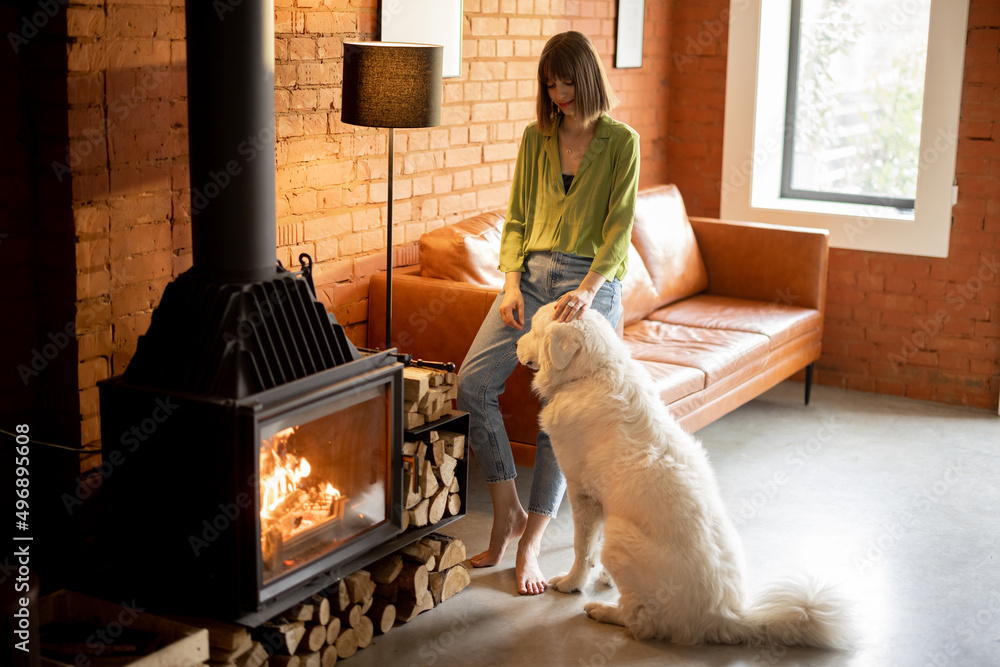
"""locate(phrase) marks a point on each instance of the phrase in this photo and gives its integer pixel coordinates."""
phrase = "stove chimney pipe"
(230, 72)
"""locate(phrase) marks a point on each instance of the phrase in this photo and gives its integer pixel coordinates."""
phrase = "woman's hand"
(512, 305)
(572, 304)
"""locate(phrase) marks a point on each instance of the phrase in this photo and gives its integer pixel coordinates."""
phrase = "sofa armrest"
(432, 319)
(750, 260)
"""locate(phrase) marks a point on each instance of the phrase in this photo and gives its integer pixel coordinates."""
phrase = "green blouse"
(593, 219)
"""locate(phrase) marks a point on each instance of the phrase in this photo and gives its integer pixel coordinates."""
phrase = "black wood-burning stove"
(255, 451)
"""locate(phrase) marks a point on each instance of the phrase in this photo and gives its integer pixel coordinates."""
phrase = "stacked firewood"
(427, 395)
(429, 475)
(336, 623)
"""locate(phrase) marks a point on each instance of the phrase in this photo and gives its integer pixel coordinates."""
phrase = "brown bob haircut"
(571, 56)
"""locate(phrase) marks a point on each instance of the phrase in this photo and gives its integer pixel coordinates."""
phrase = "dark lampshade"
(388, 84)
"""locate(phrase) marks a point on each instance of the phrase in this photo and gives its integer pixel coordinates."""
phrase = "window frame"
(754, 138)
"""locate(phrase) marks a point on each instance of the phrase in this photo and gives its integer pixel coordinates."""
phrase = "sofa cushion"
(639, 295)
(663, 236)
(718, 353)
(467, 251)
(777, 321)
(674, 382)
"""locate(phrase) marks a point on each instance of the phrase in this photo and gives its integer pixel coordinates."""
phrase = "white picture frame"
(628, 38)
(426, 22)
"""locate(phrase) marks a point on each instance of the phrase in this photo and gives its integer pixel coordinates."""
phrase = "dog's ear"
(564, 343)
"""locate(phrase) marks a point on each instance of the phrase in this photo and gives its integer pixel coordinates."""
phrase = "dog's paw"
(604, 579)
(602, 612)
(568, 583)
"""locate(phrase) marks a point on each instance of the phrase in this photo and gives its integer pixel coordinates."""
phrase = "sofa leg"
(809, 380)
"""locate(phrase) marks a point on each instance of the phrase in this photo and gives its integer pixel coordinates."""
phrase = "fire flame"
(285, 475)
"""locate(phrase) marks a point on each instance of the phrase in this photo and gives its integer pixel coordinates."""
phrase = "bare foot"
(529, 576)
(504, 532)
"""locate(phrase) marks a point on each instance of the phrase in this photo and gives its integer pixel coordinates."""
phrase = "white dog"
(668, 544)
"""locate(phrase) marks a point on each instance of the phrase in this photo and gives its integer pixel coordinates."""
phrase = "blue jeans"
(493, 357)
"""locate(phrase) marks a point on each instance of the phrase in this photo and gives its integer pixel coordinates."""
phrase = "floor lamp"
(389, 84)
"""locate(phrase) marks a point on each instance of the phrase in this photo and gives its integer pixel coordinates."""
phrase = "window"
(843, 114)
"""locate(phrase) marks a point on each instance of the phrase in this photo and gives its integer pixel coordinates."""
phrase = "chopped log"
(340, 599)
(221, 635)
(410, 406)
(383, 615)
(349, 618)
(311, 659)
(386, 569)
(432, 547)
(328, 656)
(446, 471)
(454, 444)
(360, 586)
(365, 631)
(412, 579)
(452, 550)
(216, 654)
(321, 609)
(404, 520)
(367, 604)
(347, 643)
(411, 484)
(413, 420)
(284, 660)
(283, 637)
(454, 504)
(428, 480)
(439, 502)
(431, 562)
(415, 384)
(300, 612)
(410, 447)
(255, 657)
(418, 515)
(332, 630)
(419, 552)
(438, 448)
(435, 584)
(409, 608)
(455, 581)
(454, 485)
(419, 458)
(388, 592)
(314, 640)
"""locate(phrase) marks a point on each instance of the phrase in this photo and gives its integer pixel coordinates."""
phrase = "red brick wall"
(908, 326)
(127, 153)
(332, 177)
(127, 157)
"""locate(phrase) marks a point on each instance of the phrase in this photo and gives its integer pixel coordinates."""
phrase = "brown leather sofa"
(717, 311)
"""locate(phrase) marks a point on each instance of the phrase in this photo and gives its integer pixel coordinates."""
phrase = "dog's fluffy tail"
(799, 611)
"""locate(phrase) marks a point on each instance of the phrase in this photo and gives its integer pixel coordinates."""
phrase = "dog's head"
(565, 351)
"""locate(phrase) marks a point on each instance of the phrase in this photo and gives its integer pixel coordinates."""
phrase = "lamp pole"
(388, 248)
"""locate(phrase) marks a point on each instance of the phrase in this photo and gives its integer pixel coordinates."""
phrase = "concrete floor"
(896, 499)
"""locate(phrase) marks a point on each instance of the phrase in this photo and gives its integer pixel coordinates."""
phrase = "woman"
(565, 239)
